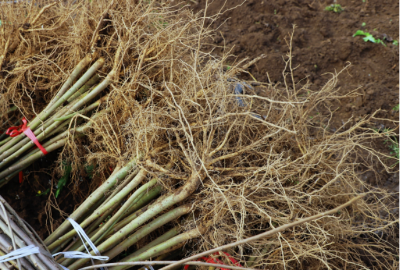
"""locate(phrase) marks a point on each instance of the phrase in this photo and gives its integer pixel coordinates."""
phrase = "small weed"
(335, 8)
(391, 142)
(368, 37)
(63, 180)
(363, 1)
(396, 108)
(363, 24)
(393, 145)
(275, 11)
(40, 193)
(228, 68)
(395, 42)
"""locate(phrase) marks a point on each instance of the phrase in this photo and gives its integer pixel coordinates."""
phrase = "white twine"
(150, 267)
(31, 249)
(84, 238)
(19, 253)
(80, 255)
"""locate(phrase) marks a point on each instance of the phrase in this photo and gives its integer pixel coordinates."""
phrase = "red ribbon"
(217, 261)
(15, 131)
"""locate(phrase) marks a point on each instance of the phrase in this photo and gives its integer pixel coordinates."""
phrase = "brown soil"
(322, 43)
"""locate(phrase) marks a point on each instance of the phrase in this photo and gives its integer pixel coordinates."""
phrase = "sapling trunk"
(98, 212)
(29, 158)
(172, 215)
(85, 87)
(145, 230)
(50, 109)
(91, 200)
(68, 83)
(166, 236)
(81, 102)
(165, 247)
(157, 207)
(83, 111)
(149, 196)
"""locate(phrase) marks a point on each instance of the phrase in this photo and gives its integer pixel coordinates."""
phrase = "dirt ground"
(323, 43)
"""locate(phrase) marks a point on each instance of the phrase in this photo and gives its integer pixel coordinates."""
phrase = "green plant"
(393, 145)
(40, 193)
(395, 42)
(337, 8)
(368, 37)
(63, 180)
(363, 24)
(396, 108)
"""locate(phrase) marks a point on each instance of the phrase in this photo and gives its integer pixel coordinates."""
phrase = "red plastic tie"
(21, 177)
(217, 261)
(15, 131)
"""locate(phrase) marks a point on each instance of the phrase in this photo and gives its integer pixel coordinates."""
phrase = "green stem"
(5, 141)
(145, 230)
(90, 232)
(162, 248)
(81, 102)
(74, 74)
(50, 109)
(37, 131)
(121, 185)
(84, 88)
(159, 206)
(115, 218)
(91, 200)
(50, 146)
(115, 200)
(149, 196)
(87, 109)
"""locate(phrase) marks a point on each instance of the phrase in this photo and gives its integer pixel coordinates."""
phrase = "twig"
(165, 262)
(265, 234)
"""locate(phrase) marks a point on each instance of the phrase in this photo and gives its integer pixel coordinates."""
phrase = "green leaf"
(63, 180)
(395, 42)
(360, 33)
(396, 108)
(370, 38)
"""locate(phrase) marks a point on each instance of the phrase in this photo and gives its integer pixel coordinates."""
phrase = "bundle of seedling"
(52, 126)
(197, 152)
(17, 238)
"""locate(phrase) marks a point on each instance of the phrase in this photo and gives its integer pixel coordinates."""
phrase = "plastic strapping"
(19, 253)
(15, 131)
(84, 238)
(80, 255)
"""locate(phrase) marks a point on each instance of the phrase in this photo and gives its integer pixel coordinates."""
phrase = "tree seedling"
(368, 37)
(337, 8)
